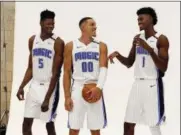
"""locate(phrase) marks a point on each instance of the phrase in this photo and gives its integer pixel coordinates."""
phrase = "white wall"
(117, 25)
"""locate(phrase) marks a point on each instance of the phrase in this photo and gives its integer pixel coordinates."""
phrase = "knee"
(95, 132)
(50, 128)
(128, 127)
(74, 132)
(27, 126)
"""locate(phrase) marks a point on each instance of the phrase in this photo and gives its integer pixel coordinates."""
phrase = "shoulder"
(163, 41)
(58, 40)
(31, 39)
(69, 45)
(103, 46)
(162, 37)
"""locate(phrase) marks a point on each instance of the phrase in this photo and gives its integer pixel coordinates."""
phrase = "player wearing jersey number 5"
(86, 63)
(45, 62)
(149, 52)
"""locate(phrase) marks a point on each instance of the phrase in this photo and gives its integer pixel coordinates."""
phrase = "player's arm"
(103, 64)
(57, 64)
(67, 75)
(127, 61)
(28, 73)
(67, 70)
(161, 60)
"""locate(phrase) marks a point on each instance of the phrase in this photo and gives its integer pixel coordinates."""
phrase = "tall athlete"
(150, 54)
(45, 62)
(85, 63)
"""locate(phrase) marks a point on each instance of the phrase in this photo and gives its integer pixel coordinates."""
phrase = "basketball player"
(150, 54)
(85, 62)
(45, 62)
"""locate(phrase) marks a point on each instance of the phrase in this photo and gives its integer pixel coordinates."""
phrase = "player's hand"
(94, 93)
(20, 94)
(112, 56)
(142, 43)
(68, 104)
(45, 106)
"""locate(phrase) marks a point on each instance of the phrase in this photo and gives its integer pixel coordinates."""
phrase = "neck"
(85, 39)
(44, 35)
(149, 32)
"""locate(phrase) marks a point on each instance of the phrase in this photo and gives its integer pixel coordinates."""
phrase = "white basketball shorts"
(96, 112)
(146, 103)
(35, 98)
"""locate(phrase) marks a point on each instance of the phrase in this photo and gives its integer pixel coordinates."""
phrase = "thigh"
(51, 114)
(134, 105)
(32, 107)
(153, 103)
(76, 116)
(96, 115)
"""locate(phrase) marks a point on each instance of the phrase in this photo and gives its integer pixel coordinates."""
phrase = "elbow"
(129, 64)
(164, 69)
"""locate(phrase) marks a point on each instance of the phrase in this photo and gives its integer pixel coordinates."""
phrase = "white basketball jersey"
(85, 61)
(144, 64)
(42, 58)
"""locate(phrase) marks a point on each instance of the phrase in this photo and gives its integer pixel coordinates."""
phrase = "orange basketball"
(86, 95)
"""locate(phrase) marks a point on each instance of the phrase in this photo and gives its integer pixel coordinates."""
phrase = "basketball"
(86, 95)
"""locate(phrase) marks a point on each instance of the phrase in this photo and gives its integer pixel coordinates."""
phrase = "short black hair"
(47, 14)
(83, 20)
(150, 11)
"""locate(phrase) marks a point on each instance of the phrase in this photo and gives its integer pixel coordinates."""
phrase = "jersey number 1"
(143, 62)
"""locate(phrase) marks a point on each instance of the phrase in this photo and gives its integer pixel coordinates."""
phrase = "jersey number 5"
(40, 61)
(87, 66)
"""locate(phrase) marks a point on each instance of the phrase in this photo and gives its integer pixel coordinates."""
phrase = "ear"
(82, 26)
(151, 19)
(41, 23)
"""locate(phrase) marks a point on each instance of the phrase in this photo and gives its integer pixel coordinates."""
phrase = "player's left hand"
(142, 43)
(94, 93)
(45, 106)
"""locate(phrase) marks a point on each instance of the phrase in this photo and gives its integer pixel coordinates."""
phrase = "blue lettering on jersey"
(87, 55)
(42, 52)
(140, 50)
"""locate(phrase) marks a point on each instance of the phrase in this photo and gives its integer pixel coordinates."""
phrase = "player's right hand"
(112, 56)
(68, 104)
(20, 94)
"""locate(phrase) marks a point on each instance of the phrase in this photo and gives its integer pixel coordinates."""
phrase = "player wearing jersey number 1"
(149, 52)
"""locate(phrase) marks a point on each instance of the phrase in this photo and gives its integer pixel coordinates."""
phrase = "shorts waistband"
(41, 82)
(145, 78)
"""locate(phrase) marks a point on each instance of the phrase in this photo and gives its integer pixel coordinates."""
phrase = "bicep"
(68, 57)
(30, 45)
(103, 55)
(58, 57)
(163, 47)
(132, 54)
(30, 60)
(163, 53)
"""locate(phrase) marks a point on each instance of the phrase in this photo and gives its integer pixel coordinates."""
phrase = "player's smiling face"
(144, 20)
(48, 25)
(91, 28)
